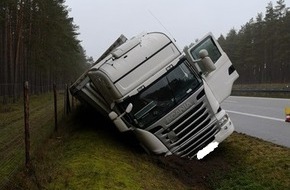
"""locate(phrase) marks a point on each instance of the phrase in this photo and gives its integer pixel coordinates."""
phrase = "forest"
(38, 43)
(260, 50)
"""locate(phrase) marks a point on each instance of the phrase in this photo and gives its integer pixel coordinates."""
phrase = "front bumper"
(225, 130)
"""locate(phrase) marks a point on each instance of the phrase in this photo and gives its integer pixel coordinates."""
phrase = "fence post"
(67, 108)
(26, 124)
(68, 100)
(72, 101)
(55, 107)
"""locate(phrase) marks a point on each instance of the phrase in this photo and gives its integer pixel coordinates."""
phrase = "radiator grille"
(190, 132)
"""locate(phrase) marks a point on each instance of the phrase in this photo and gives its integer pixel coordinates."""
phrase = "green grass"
(86, 165)
(12, 146)
(86, 156)
(255, 164)
(12, 115)
(89, 154)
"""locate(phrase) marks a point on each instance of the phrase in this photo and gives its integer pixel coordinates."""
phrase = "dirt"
(198, 174)
(194, 173)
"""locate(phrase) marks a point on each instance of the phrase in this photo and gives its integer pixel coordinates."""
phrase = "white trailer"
(168, 98)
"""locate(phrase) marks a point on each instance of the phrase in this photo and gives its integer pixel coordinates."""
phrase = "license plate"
(206, 150)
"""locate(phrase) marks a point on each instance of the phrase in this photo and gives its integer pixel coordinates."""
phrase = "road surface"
(260, 117)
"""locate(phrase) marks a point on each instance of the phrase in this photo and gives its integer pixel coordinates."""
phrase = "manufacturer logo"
(178, 112)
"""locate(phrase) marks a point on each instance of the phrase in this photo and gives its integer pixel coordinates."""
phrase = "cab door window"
(210, 46)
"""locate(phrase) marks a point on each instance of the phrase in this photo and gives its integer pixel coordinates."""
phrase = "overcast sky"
(101, 22)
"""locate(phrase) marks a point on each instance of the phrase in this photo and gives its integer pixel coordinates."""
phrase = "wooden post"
(26, 124)
(72, 101)
(55, 107)
(68, 100)
(64, 102)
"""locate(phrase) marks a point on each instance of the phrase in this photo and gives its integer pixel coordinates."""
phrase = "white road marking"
(254, 115)
(259, 98)
(230, 101)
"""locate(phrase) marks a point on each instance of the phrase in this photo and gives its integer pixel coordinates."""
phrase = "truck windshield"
(163, 95)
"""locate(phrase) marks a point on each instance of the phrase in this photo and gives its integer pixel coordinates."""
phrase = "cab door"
(222, 78)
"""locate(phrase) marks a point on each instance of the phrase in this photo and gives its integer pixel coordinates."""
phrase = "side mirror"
(113, 115)
(208, 64)
(117, 120)
(119, 123)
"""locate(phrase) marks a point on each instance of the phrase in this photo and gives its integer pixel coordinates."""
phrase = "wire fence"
(10, 93)
(43, 111)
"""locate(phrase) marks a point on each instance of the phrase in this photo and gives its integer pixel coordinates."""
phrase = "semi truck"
(167, 97)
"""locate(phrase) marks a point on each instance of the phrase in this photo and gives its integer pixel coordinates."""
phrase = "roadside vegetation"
(88, 153)
(38, 44)
(12, 148)
(269, 90)
(260, 49)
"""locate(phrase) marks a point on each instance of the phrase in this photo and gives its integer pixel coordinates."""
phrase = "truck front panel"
(175, 108)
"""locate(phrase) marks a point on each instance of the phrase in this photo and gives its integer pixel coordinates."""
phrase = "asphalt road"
(260, 117)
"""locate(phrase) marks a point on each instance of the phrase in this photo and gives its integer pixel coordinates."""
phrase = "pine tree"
(38, 42)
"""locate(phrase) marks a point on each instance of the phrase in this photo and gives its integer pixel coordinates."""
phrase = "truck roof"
(139, 58)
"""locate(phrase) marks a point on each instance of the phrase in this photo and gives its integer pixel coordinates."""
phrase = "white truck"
(168, 98)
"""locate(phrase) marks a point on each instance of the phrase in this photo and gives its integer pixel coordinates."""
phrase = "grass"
(255, 164)
(89, 157)
(11, 117)
(90, 154)
(12, 131)
(90, 167)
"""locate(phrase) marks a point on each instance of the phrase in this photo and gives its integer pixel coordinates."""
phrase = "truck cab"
(168, 98)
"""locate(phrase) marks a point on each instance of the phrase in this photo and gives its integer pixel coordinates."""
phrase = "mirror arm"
(196, 60)
(128, 110)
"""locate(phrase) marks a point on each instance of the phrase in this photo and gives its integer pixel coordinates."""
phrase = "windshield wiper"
(145, 110)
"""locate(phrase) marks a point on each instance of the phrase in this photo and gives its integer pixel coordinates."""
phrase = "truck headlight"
(223, 120)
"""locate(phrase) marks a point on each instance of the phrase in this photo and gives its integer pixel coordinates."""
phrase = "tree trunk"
(17, 62)
(5, 55)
